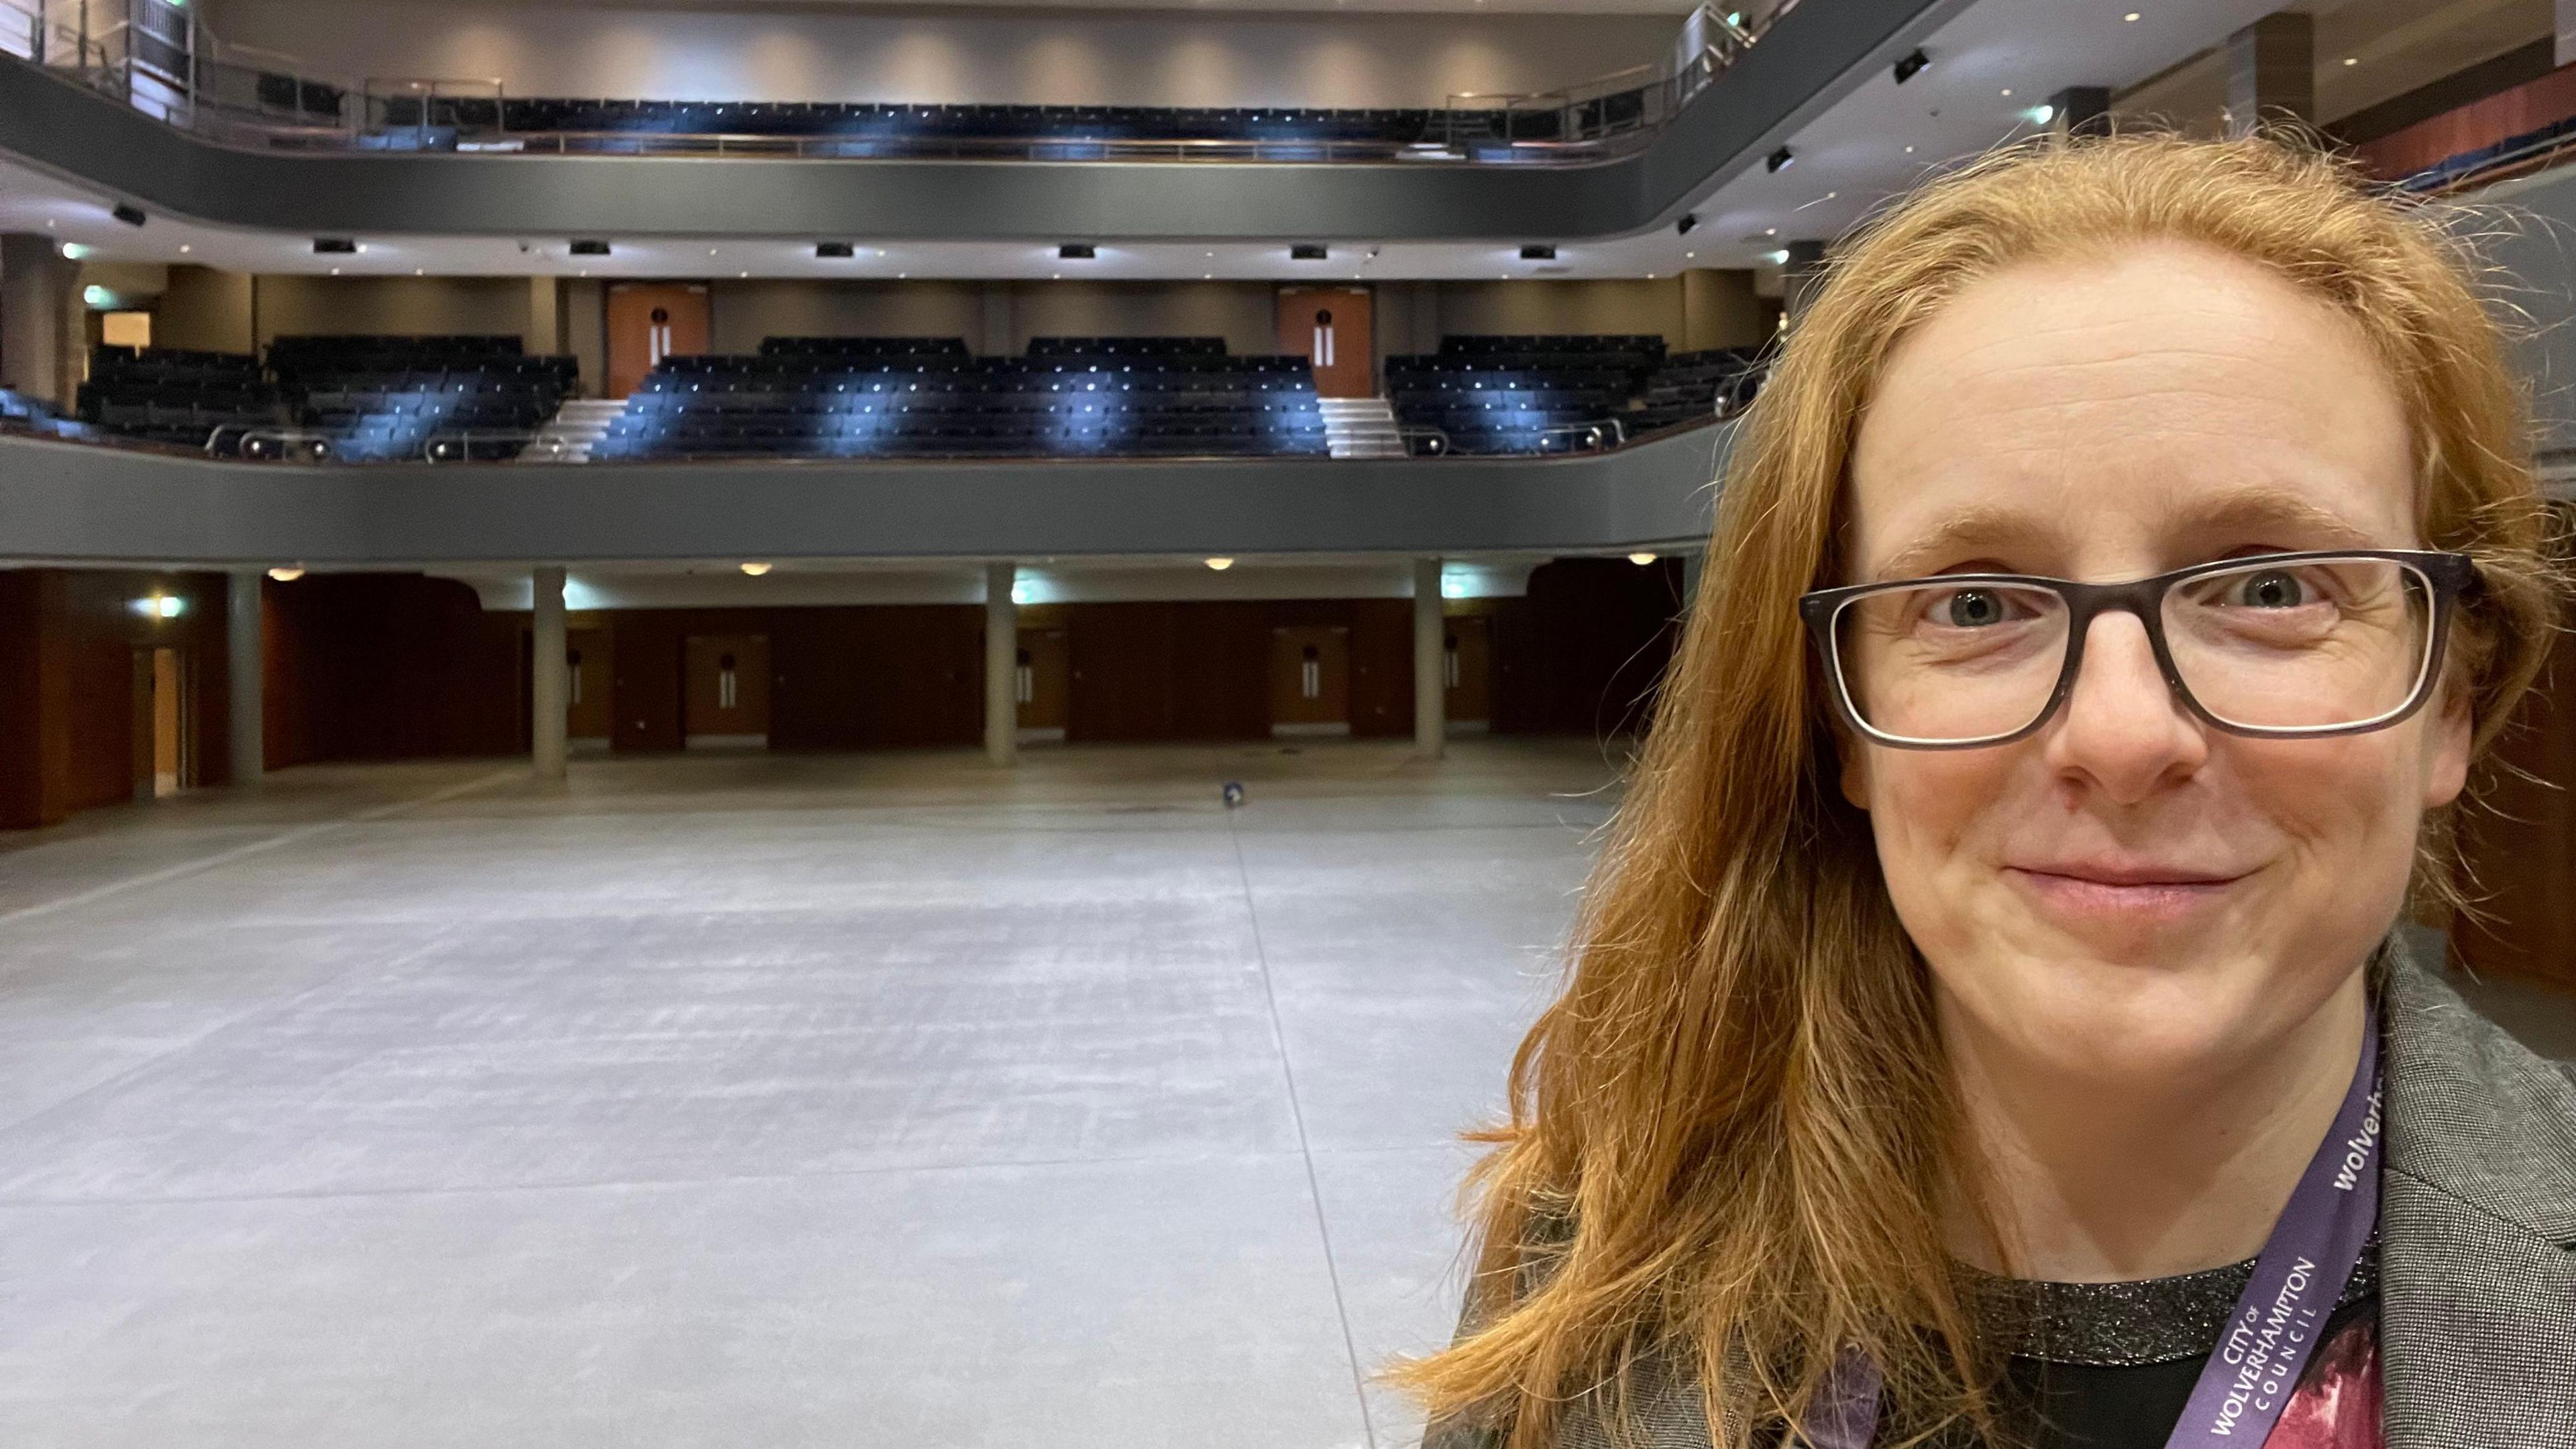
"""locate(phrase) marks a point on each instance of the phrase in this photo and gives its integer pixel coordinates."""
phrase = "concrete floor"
(879, 1100)
(875, 1100)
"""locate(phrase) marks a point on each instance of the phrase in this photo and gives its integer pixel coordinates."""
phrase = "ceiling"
(1990, 66)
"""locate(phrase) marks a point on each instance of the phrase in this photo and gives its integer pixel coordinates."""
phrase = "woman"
(1988, 1004)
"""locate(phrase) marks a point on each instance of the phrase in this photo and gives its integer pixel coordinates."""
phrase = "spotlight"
(834, 250)
(589, 247)
(1076, 251)
(1538, 252)
(130, 214)
(1911, 66)
(1307, 252)
(1683, 226)
(1778, 160)
(73, 251)
(287, 573)
(334, 246)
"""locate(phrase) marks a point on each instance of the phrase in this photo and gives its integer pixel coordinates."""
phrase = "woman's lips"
(2121, 892)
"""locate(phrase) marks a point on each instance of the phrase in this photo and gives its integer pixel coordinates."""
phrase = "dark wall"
(389, 667)
(1169, 671)
(68, 640)
(1582, 651)
(875, 676)
(2521, 846)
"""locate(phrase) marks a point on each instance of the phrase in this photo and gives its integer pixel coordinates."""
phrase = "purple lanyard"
(2277, 1319)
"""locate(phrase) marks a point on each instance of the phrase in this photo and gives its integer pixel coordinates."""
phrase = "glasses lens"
(2309, 645)
(1945, 662)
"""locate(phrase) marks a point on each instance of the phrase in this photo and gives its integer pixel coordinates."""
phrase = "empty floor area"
(883, 1100)
(875, 1100)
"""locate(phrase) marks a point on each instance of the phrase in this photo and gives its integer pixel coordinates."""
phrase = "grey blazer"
(2477, 1306)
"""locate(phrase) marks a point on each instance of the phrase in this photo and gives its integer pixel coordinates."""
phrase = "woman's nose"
(2123, 729)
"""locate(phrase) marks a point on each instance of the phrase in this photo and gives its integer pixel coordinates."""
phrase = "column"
(39, 313)
(2272, 71)
(1799, 273)
(2566, 32)
(1001, 664)
(247, 676)
(996, 330)
(1430, 662)
(2080, 111)
(548, 685)
(545, 335)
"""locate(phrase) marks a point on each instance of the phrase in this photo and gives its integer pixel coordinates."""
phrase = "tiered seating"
(36, 417)
(1689, 386)
(1523, 394)
(1067, 397)
(170, 395)
(395, 399)
(869, 128)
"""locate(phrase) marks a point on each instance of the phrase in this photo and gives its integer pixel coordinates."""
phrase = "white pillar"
(2566, 42)
(248, 676)
(548, 682)
(1001, 664)
(1430, 662)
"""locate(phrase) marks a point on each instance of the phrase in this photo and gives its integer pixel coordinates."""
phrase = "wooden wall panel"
(67, 696)
(1122, 671)
(2521, 845)
(2518, 111)
(647, 679)
(1382, 668)
(876, 676)
(391, 667)
(1581, 653)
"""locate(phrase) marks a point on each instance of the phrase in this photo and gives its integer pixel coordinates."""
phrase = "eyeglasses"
(2282, 645)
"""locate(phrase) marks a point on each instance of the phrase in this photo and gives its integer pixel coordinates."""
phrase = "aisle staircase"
(1360, 427)
(568, 435)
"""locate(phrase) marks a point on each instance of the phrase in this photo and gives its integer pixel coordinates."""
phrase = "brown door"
(648, 321)
(1310, 680)
(1469, 669)
(725, 697)
(587, 712)
(1045, 681)
(1330, 327)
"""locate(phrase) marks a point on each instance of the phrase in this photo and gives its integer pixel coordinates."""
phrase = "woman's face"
(2129, 890)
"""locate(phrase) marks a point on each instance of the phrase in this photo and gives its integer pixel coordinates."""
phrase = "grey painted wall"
(72, 503)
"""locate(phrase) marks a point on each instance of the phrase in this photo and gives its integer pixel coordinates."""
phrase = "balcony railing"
(163, 62)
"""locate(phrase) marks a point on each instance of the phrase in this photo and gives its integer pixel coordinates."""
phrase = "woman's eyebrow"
(2201, 520)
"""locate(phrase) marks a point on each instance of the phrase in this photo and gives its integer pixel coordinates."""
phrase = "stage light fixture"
(334, 246)
(1307, 252)
(1778, 161)
(834, 251)
(1538, 252)
(589, 247)
(1683, 227)
(1911, 66)
(128, 213)
(1077, 252)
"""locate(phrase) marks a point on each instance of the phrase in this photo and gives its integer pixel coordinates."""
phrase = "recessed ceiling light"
(1641, 559)
(1210, 277)
(755, 569)
(1909, 150)
(420, 271)
(1220, 564)
(1686, 256)
(2131, 17)
(287, 573)
(2008, 90)
(49, 223)
(2352, 60)
(711, 251)
(335, 271)
(183, 248)
(742, 274)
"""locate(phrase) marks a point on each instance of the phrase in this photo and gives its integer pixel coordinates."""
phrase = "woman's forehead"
(2159, 390)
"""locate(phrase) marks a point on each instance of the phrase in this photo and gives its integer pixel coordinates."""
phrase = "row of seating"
(1719, 381)
(1067, 397)
(2514, 150)
(470, 118)
(1523, 393)
(177, 396)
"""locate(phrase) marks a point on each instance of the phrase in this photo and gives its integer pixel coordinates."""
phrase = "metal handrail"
(1441, 443)
(464, 439)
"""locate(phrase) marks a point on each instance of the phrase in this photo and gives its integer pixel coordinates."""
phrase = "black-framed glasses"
(2280, 645)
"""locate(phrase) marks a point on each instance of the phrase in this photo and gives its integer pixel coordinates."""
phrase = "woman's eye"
(1971, 609)
(2271, 589)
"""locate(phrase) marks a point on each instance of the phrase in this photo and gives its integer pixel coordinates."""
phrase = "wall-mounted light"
(2041, 115)
(161, 606)
(755, 569)
(1779, 160)
(1777, 258)
(74, 251)
(287, 573)
(98, 297)
(1220, 564)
